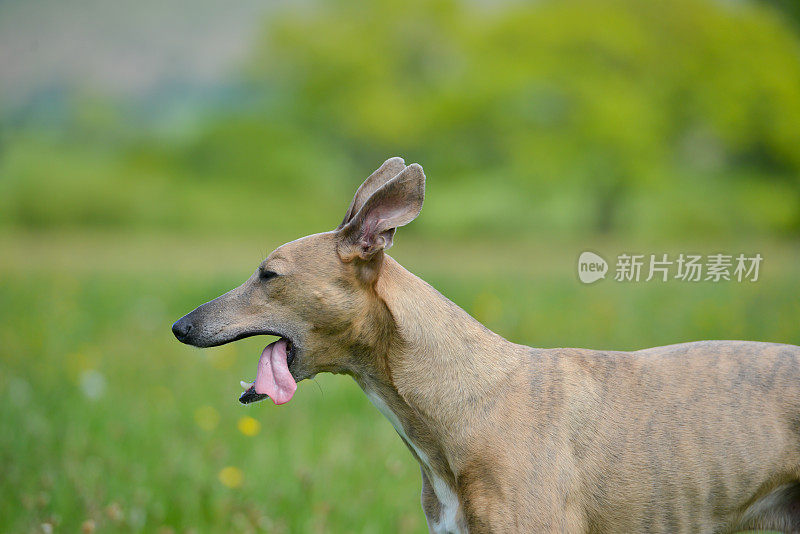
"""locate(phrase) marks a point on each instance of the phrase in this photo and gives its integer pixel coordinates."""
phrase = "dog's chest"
(448, 501)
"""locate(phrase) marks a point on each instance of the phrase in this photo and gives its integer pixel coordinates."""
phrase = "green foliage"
(589, 99)
(650, 118)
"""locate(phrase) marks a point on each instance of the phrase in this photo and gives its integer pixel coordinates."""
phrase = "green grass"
(79, 311)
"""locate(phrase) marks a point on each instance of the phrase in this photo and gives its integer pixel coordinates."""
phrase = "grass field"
(106, 420)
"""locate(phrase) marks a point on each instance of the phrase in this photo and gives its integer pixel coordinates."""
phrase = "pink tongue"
(273, 377)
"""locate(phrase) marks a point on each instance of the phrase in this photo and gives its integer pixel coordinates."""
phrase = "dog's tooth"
(246, 385)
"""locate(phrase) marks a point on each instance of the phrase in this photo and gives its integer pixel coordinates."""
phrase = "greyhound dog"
(696, 437)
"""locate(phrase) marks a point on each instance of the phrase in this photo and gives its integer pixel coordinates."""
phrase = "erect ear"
(390, 168)
(394, 204)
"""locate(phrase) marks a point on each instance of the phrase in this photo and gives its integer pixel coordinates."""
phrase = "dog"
(694, 437)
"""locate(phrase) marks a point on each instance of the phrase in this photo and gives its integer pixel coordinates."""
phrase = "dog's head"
(317, 293)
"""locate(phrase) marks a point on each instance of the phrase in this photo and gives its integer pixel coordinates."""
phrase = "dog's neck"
(438, 373)
(445, 361)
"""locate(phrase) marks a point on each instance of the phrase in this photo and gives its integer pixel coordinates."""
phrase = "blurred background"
(152, 153)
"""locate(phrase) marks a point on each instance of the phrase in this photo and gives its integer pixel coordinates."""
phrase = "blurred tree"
(551, 116)
(605, 100)
(789, 8)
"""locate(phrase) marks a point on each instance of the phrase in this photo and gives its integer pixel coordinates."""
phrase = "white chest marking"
(448, 501)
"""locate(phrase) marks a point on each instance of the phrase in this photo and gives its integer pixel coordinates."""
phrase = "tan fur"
(697, 437)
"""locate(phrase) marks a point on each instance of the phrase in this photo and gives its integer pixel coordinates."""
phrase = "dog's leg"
(490, 505)
(430, 504)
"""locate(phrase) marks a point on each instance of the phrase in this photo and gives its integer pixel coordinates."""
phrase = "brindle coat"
(697, 437)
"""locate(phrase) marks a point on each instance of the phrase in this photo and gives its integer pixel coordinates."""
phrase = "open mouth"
(273, 377)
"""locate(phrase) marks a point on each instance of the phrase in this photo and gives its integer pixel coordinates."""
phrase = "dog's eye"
(264, 274)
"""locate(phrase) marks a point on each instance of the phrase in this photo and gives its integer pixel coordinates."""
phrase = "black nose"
(181, 328)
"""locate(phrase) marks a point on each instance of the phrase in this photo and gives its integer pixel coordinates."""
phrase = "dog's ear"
(390, 168)
(396, 203)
